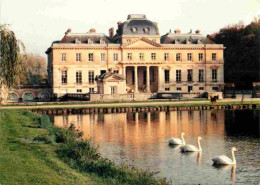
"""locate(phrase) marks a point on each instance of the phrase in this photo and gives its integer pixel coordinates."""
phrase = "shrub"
(84, 156)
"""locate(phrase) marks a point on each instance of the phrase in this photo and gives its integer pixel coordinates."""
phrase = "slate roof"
(184, 38)
(84, 38)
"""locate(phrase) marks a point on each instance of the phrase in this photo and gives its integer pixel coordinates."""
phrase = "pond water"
(140, 139)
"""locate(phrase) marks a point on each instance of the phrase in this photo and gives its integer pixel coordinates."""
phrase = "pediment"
(113, 78)
(142, 43)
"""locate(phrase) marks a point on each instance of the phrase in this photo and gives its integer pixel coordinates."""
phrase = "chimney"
(197, 31)
(111, 32)
(119, 23)
(177, 31)
(92, 30)
(68, 31)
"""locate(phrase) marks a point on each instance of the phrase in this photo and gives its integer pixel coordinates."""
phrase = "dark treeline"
(241, 55)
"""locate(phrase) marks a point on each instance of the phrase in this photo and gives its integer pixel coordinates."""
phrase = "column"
(148, 79)
(136, 80)
(123, 71)
(160, 79)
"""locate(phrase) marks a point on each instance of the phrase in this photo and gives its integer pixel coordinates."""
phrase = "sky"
(40, 22)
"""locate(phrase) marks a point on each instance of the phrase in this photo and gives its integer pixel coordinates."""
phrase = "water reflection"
(140, 139)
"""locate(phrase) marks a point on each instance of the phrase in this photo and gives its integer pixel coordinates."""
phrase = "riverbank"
(32, 151)
(176, 103)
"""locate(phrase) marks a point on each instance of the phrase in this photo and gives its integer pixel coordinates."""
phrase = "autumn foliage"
(242, 53)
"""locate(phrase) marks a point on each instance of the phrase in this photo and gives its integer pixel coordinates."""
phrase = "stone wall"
(120, 97)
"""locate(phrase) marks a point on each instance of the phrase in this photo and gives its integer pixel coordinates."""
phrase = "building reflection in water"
(140, 139)
(144, 127)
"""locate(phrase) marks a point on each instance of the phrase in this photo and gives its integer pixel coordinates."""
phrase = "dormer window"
(134, 29)
(146, 30)
(102, 41)
(90, 41)
(77, 41)
(188, 41)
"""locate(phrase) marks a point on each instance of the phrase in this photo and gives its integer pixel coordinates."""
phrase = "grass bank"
(33, 151)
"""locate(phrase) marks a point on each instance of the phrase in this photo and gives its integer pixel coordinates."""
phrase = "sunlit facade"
(147, 61)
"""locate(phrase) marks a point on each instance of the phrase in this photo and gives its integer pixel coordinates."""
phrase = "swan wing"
(222, 159)
(175, 141)
(189, 148)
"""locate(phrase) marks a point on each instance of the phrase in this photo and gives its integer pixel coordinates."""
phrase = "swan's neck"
(233, 157)
(182, 138)
(200, 149)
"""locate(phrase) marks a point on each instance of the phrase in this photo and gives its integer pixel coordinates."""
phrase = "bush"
(84, 156)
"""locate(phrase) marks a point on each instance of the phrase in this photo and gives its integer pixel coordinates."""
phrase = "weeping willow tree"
(10, 61)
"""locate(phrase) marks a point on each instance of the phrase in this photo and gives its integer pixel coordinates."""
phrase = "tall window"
(214, 75)
(214, 56)
(141, 56)
(166, 56)
(178, 75)
(78, 57)
(189, 56)
(63, 57)
(189, 75)
(113, 90)
(153, 56)
(201, 75)
(78, 77)
(115, 56)
(178, 56)
(91, 89)
(64, 77)
(200, 57)
(129, 56)
(166, 76)
(91, 76)
(90, 57)
(102, 72)
(103, 57)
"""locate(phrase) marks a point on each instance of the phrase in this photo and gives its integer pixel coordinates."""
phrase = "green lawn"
(24, 161)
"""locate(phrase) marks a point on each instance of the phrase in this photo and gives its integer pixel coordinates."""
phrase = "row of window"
(91, 76)
(90, 57)
(190, 88)
(190, 75)
(91, 90)
(141, 57)
(178, 56)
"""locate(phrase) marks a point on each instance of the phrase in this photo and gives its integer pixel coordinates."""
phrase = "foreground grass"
(24, 160)
(32, 151)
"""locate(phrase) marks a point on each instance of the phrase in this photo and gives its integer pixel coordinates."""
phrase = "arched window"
(13, 97)
(44, 96)
(146, 30)
(28, 96)
(134, 29)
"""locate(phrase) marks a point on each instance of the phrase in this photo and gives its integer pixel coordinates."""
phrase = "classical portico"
(141, 79)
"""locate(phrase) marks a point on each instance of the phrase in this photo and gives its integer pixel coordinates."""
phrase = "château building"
(135, 59)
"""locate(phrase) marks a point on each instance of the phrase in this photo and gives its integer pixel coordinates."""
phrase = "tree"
(34, 70)
(10, 61)
(241, 54)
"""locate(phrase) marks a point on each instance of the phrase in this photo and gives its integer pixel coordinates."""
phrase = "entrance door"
(189, 89)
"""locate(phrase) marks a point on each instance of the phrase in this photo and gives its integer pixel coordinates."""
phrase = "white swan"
(220, 160)
(177, 141)
(192, 148)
